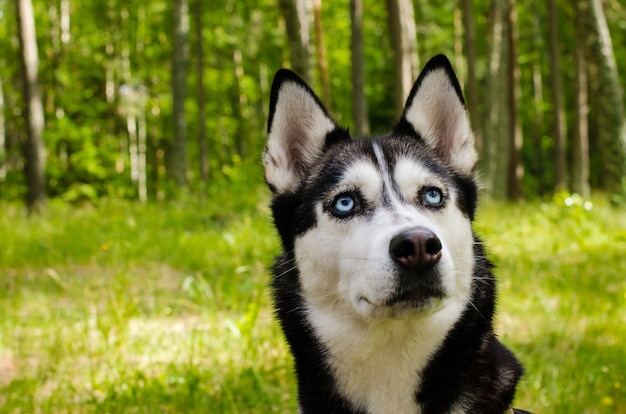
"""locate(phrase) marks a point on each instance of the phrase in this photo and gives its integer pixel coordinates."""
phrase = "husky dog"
(383, 291)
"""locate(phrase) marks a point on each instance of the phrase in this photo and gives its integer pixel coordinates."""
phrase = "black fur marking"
(472, 366)
(317, 392)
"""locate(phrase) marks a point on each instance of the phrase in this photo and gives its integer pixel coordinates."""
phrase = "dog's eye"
(432, 197)
(344, 204)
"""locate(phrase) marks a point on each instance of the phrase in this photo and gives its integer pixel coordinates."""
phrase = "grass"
(164, 307)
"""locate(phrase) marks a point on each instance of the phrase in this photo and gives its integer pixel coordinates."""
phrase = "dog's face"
(379, 227)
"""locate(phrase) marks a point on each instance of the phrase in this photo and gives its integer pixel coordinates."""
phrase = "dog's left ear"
(435, 110)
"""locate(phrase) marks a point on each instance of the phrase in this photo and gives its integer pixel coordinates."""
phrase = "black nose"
(417, 248)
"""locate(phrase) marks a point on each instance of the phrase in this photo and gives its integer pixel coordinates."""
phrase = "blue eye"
(433, 197)
(344, 205)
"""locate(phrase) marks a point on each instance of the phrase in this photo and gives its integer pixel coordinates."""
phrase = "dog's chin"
(400, 306)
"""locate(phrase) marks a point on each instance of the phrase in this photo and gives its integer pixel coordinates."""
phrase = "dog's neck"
(376, 363)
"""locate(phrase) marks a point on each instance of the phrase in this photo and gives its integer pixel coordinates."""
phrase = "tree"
(495, 153)
(200, 95)
(401, 19)
(471, 85)
(580, 144)
(515, 169)
(322, 63)
(34, 150)
(359, 102)
(297, 24)
(556, 85)
(3, 167)
(607, 102)
(177, 157)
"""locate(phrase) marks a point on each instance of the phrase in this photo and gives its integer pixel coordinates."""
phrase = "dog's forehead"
(376, 166)
(365, 175)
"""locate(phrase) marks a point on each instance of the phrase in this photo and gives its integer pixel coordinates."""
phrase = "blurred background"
(135, 236)
(134, 99)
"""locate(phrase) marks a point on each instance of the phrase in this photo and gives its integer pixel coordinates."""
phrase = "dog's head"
(379, 227)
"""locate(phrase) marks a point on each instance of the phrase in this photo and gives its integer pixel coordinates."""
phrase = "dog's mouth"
(406, 300)
(415, 296)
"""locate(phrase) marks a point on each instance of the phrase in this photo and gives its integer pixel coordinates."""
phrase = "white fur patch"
(364, 176)
(347, 275)
(411, 177)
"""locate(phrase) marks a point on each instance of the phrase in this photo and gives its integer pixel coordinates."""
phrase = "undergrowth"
(164, 307)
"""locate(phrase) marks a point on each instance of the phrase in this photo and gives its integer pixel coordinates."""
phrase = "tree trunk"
(3, 152)
(404, 44)
(537, 168)
(359, 100)
(580, 156)
(296, 22)
(471, 85)
(322, 63)
(203, 145)
(34, 150)
(495, 153)
(558, 124)
(142, 147)
(515, 169)
(607, 102)
(177, 159)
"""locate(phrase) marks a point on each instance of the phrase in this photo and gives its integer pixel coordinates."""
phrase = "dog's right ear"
(297, 130)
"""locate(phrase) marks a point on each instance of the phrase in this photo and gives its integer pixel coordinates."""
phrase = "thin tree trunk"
(127, 98)
(34, 150)
(471, 85)
(515, 170)
(538, 167)
(110, 51)
(142, 102)
(359, 101)
(580, 158)
(202, 139)
(131, 128)
(608, 98)
(3, 152)
(177, 160)
(559, 125)
(459, 61)
(322, 63)
(401, 17)
(294, 13)
(241, 105)
(495, 153)
(142, 147)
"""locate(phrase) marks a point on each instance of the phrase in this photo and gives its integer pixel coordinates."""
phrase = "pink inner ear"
(297, 135)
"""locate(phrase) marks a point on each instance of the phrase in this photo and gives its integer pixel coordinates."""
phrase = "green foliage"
(114, 45)
(164, 307)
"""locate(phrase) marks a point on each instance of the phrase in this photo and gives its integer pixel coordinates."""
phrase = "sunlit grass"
(562, 294)
(165, 307)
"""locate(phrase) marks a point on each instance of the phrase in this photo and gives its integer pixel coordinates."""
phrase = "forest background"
(135, 95)
(132, 130)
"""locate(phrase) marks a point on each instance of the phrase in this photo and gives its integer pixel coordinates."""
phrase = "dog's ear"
(435, 110)
(297, 130)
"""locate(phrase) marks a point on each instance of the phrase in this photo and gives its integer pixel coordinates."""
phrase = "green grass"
(164, 307)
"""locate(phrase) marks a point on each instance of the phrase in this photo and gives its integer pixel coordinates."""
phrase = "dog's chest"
(377, 366)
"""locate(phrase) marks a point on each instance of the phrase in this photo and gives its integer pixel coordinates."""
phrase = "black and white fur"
(383, 291)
